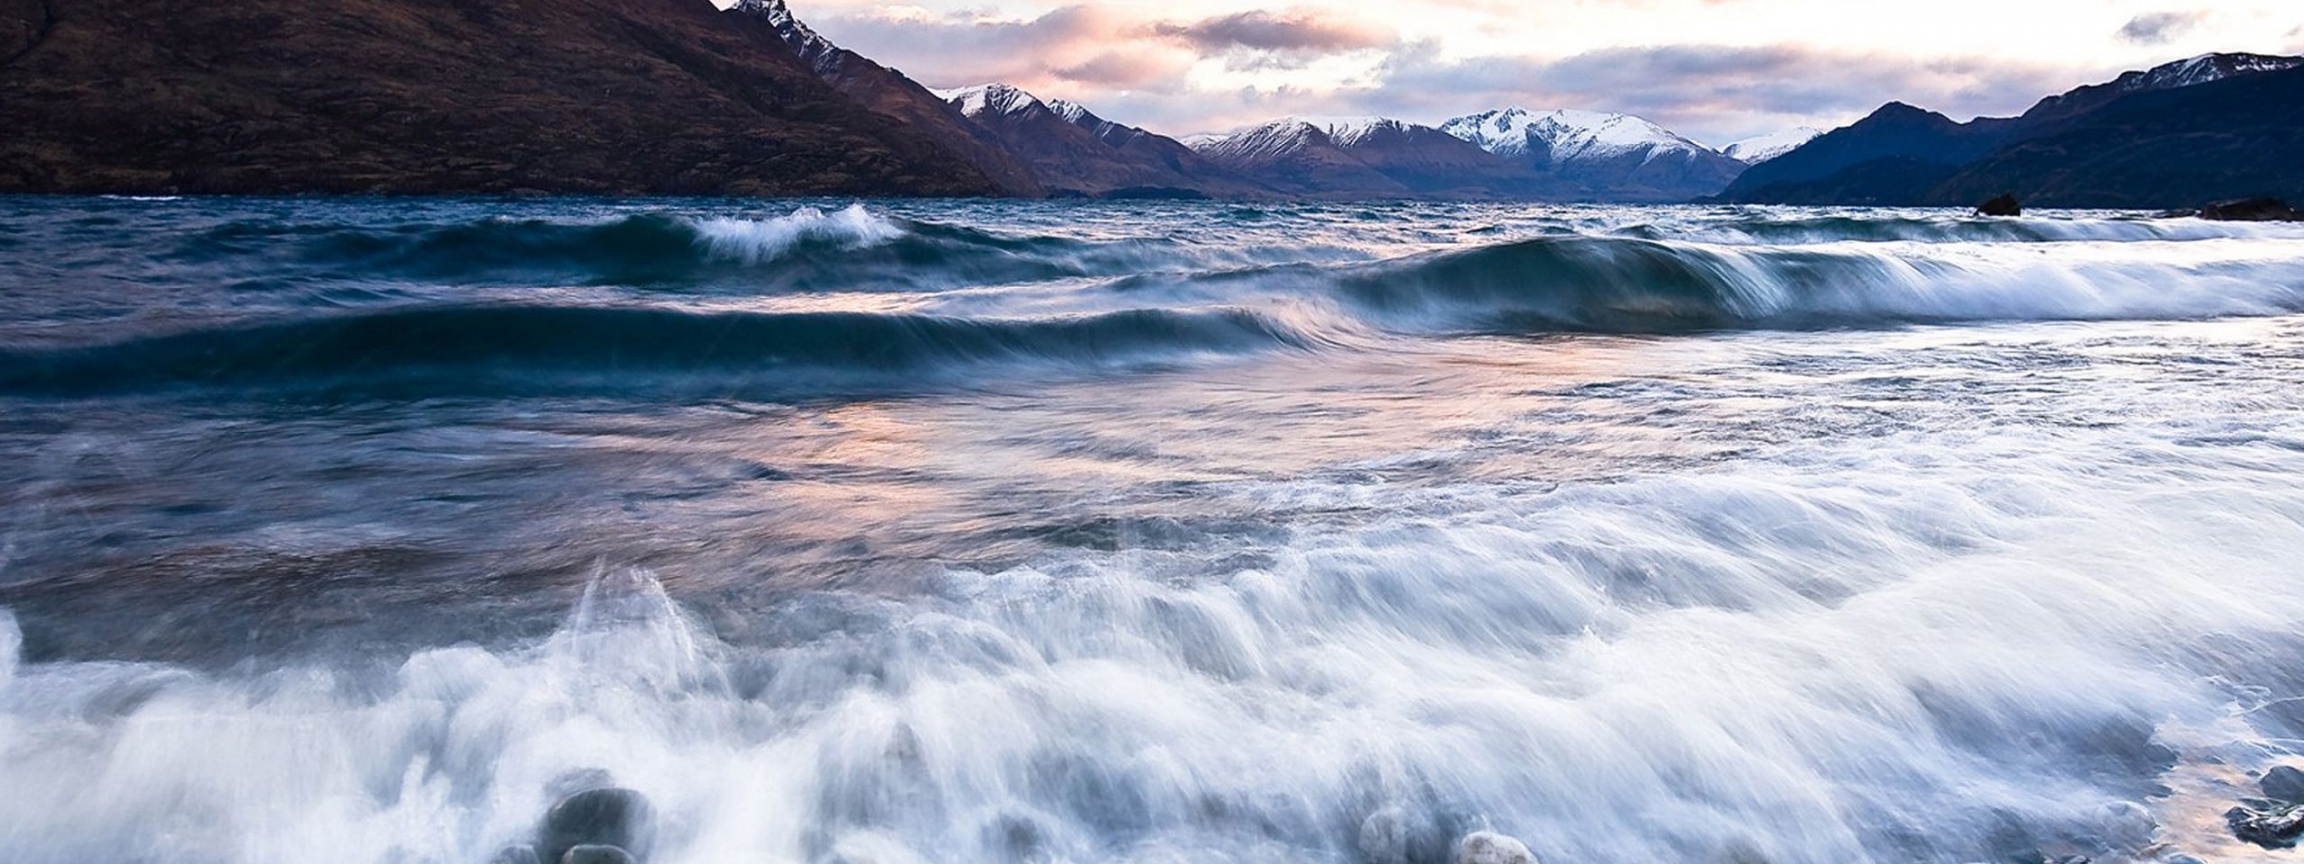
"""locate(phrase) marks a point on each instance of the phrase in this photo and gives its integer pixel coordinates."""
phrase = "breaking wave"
(808, 250)
(1636, 286)
(1667, 668)
(1871, 227)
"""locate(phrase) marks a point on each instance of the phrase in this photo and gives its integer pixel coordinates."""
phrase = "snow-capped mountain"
(2055, 110)
(1295, 157)
(1901, 154)
(1761, 148)
(1366, 156)
(987, 100)
(1073, 151)
(813, 48)
(887, 92)
(2203, 69)
(1603, 156)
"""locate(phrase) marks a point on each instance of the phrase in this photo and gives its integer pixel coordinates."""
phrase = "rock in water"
(1403, 835)
(2251, 210)
(1384, 837)
(596, 855)
(1489, 847)
(2275, 829)
(608, 817)
(2283, 783)
(2005, 205)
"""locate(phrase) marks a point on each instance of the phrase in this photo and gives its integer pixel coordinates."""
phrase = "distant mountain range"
(2188, 132)
(1064, 149)
(1367, 157)
(1071, 151)
(680, 97)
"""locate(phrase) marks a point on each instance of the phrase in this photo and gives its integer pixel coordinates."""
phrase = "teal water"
(1014, 531)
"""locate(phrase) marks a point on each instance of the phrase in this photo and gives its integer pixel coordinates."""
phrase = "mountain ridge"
(440, 97)
(1600, 155)
(1901, 154)
(1072, 151)
(889, 92)
(1366, 156)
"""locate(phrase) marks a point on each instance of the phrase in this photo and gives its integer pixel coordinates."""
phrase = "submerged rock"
(2251, 210)
(2005, 205)
(1403, 835)
(1384, 837)
(2283, 783)
(606, 817)
(1489, 847)
(592, 854)
(2273, 829)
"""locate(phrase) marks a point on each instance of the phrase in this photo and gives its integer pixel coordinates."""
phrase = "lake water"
(348, 530)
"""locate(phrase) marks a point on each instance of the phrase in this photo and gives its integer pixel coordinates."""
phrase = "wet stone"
(2274, 829)
(610, 817)
(594, 854)
(2284, 783)
(2005, 205)
(1489, 847)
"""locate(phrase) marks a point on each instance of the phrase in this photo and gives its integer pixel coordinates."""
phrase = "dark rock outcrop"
(2004, 205)
(2277, 828)
(607, 817)
(435, 97)
(2252, 210)
(2283, 783)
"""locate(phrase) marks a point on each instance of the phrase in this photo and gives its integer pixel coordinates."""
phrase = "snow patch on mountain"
(2203, 69)
(991, 99)
(1269, 140)
(1761, 148)
(1289, 133)
(1348, 131)
(1567, 135)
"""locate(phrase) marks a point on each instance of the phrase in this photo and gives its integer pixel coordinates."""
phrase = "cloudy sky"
(1715, 70)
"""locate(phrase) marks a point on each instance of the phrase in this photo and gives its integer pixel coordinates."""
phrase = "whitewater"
(902, 531)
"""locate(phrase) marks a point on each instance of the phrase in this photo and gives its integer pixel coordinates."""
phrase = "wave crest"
(1642, 286)
(485, 350)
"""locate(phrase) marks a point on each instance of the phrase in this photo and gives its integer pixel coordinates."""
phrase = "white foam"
(1785, 658)
(754, 241)
(11, 649)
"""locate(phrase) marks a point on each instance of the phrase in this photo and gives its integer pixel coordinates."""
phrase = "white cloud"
(1715, 69)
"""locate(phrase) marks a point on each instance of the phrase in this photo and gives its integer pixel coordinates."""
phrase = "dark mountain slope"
(1368, 157)
(889, 92)
(1070, 150)
(436, 96)
(1901, 155)
(2234, 138)
(2055, 112)
(1894, 155)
